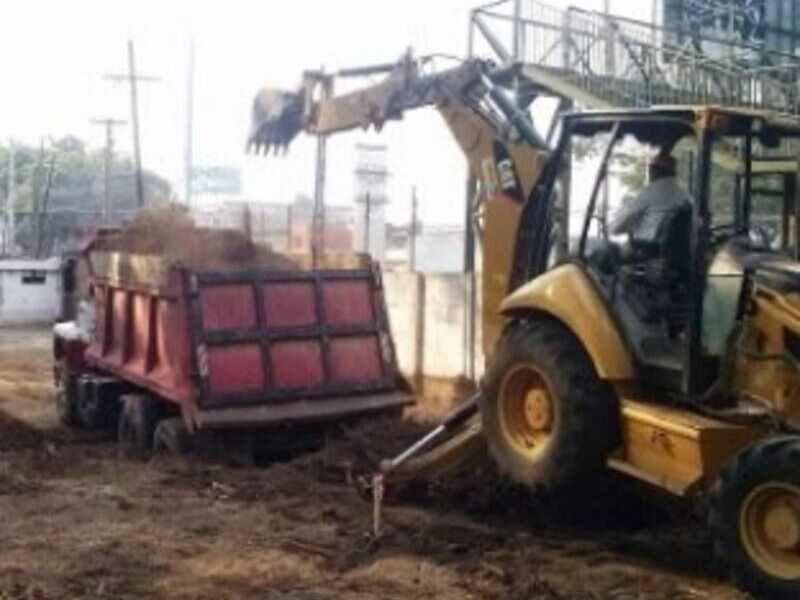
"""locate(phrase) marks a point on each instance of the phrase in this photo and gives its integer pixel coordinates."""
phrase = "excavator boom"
(279, 115)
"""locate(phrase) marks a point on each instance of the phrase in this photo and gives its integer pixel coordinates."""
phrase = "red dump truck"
(166, 351)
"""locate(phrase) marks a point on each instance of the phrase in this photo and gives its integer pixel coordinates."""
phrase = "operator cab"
(671, 211)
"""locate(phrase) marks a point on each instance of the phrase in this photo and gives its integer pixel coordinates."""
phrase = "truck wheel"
(66, 395)
(88, 409)
(171, 436)
(137, 423)
(549, 421)
(96, 409)
(754, 518)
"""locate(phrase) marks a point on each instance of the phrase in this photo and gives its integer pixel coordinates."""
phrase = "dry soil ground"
(80, 520)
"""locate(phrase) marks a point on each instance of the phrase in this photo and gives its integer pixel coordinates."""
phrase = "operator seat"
(665, 236)
(676, 243)
(655, 283)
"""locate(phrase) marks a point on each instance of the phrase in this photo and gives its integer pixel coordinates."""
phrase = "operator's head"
(661, 165)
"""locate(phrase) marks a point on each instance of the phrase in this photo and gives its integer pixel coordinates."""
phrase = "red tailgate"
(264, 337)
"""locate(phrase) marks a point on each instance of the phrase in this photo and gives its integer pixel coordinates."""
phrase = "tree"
(76, 195)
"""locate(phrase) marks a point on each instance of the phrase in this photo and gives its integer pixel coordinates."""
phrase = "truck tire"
(88, 408)
(171, 436)
(137, 423)
(96, 409)
(66, 395)
(550, 422)
(754, 518)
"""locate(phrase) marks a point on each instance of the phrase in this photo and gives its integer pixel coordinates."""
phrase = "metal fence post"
(565, 37)
(517, 50)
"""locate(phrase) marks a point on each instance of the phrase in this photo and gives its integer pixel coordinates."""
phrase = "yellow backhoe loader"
(662, 342)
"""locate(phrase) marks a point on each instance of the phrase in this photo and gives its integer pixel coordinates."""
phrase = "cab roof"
(732, 121)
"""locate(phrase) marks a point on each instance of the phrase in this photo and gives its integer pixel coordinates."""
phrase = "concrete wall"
(430, 323)
(30, 291)
(445, 328)
(404, 295)
(440, 249)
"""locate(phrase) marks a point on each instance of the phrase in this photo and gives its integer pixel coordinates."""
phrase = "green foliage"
(75, 204)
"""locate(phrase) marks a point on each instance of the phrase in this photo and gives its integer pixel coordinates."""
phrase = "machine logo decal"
(507, 173)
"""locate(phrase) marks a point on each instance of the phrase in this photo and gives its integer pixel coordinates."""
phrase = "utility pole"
(109, 124)
(10, 237)
(318, 214)
(412, 233)
(189, 124)
(45, 206)
(289, 228)
(36, 192)
(133, 79)
(367, 209)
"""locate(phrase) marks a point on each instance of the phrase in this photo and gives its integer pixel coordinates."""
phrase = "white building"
(30, 291)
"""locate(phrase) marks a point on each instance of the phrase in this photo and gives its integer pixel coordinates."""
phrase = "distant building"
(371, 178)
(285, 227)
(439, 248)
(771, 25)
(30, 291)
(337, 229)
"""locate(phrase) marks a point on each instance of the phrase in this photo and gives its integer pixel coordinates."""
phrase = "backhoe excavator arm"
(502, 147)
(278, 116)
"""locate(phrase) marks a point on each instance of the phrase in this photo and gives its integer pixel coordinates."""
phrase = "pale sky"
(53, 54)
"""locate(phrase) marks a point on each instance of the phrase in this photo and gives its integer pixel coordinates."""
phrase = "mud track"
(80, 520)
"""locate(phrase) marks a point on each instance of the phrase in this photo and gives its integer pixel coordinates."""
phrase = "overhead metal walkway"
(599, 61)
(596, 60)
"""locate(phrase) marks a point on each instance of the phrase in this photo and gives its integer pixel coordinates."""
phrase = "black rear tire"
(171, 437)
(736, 504)
(66, 395)
(89, 408)
(96, 408)
(137, 424)
(584, 414)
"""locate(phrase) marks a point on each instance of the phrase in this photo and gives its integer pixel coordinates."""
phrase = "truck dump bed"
(250, 347)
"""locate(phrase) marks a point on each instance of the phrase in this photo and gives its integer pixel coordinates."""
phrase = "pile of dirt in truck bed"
(170, 233)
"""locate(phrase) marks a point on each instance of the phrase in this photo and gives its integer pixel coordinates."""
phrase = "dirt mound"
(169, 232)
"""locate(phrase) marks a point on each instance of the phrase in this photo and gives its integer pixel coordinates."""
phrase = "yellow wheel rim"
(769, 526)
(525, 409)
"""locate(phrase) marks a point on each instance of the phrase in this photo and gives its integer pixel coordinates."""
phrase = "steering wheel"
(719, 234)
(758, 235)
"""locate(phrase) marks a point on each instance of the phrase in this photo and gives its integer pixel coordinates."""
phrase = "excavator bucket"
(277, 117)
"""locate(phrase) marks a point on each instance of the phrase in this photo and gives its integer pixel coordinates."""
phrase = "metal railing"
(624, 62)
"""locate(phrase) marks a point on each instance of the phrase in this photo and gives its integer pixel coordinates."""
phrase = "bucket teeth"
(277, 117)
